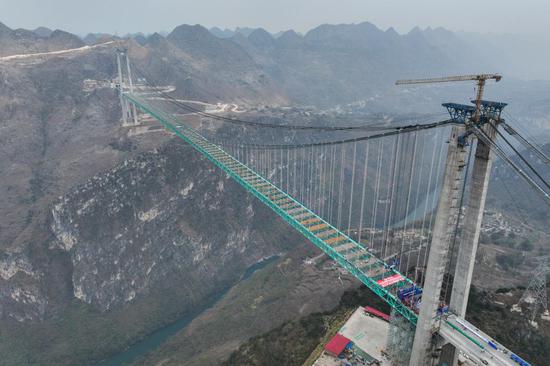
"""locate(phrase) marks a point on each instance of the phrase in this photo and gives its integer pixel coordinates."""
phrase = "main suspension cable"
(504, 157)
(233, 120)
(407, 129)
(369, 127)
(530, 145)
(521, 157)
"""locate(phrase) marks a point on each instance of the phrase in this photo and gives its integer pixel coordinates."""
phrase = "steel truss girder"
(215, 154)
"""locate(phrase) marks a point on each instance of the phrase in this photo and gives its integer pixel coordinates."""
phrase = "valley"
(119, 244)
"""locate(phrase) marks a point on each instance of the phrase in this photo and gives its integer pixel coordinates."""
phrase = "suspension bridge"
(383, 200)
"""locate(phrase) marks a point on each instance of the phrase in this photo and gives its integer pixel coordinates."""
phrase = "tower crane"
(480, 78)
(449, 215)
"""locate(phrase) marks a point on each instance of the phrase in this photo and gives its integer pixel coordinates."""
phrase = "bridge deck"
(475, 343)
(349, 254)
(354, 257)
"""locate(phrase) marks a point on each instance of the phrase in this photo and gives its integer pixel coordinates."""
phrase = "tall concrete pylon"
(123, 102)
(472, 225)
(447, 215)
(129, 112)
(131, 85)
(471, 228)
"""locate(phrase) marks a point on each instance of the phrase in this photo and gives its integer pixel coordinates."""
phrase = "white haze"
(521, 29)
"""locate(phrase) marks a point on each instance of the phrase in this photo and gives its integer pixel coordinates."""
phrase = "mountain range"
(326, 66)
(107, 233)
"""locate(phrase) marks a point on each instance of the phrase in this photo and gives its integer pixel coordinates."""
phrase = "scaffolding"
(400, 339)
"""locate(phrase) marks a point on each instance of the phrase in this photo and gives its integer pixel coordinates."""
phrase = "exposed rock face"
(47, 123)
(54, 135)
(150, 221)
(24, 299)
(162, 213)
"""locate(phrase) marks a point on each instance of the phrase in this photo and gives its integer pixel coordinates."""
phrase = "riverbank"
(155, 339)
(282, 291)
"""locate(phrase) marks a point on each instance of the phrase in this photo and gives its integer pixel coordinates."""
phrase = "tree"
(526, 245)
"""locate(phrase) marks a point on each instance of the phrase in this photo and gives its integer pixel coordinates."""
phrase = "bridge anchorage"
(384, 205)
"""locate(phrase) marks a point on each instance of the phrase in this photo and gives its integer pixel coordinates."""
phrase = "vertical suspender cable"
(302, 175)
(391, 183)
(340, 186)
(280, 167)
(294, 175)
(434, 199)
(320, 174)
(258, 163)
(326, 165)
(268, 167)
(310, 178)
(287, 167)
(416, 205)
(410, 177)
(331, 184)
(376, 192)
(352, 186)
(427, 200)
(365, 168)
(315, 186)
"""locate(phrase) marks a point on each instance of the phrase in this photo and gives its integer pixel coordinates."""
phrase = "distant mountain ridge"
(520, 56)
(354, 60)
(131, 215)
(514, 55)
(43, 32)
(14, 41)
(328, 65)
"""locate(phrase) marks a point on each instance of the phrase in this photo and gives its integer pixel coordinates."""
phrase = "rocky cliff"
(155, 218)
(107, 235)
(138, 245)
(60, 126)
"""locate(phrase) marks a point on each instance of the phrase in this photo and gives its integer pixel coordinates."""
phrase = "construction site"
(427, 323)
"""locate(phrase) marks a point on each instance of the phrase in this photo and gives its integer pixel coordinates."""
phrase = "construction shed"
(377, 313)
(337, 345)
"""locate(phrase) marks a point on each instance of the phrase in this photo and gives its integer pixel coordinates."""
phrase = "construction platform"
(369, 335)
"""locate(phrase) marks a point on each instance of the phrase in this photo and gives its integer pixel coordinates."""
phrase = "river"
(158, 337)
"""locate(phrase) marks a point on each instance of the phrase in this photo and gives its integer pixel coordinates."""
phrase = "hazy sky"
(123, 16)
